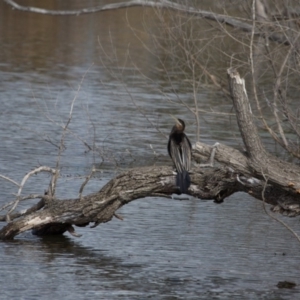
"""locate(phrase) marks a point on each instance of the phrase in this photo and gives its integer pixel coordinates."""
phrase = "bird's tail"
(183, 180)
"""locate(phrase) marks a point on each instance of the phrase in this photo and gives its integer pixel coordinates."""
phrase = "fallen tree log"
(254, 171)
(100, 207)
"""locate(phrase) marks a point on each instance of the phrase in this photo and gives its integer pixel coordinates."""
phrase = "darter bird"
(180, 150)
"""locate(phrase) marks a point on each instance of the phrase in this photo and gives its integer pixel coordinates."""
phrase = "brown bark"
(255, 172)
(100, 207)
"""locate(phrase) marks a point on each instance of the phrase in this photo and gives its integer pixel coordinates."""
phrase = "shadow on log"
(255, 172)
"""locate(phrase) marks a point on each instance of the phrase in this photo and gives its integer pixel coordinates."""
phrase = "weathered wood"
(215, 183)
(126, 187)
(244, 115)
(262, 164)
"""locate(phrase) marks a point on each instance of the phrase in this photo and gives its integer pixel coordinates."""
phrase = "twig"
(272, 133)
(62, 140)
(10, 180)
(121, 80)
(86, 181)
(25, 178)
(28, 211)
(31, 196)
(118, 217)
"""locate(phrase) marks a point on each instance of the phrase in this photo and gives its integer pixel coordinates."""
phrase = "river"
(109, 66)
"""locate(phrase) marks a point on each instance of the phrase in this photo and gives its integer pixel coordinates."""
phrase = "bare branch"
(86, 181)
(10, 180)
(28, 211)
(244, 115)
(62, 140)
(28, 175)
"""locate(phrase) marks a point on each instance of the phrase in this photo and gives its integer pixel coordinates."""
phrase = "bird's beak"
(177, 121)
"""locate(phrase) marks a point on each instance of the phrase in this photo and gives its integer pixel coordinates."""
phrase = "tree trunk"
(255, 172)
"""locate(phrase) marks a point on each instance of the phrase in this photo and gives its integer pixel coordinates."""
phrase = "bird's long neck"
(177, 135)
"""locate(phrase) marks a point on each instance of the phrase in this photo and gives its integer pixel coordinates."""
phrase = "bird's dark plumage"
(180, 150)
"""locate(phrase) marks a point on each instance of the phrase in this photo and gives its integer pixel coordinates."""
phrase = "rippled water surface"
(164, 249)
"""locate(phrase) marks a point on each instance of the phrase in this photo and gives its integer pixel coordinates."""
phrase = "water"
(164, 249)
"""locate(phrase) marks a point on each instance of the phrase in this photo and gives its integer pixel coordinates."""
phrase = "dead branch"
(214, 183)
(29, 174)
(131, 185)
(86, 181)
(10, 180)
(261, 163)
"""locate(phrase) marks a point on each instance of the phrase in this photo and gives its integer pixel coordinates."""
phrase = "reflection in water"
(174, 252)
(163, 249)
